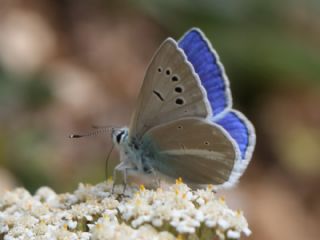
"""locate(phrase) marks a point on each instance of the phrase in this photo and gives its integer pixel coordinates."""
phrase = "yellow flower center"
(142, 188)
(179, 181)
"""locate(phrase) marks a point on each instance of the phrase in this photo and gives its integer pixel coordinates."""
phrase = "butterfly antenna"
(94, 126)
(101, 129)
(94, 133)
(107, 161)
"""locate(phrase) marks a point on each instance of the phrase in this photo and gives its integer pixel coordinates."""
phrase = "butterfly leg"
(119, 167)
(156, 178)
(125, 175)
(158, 183)
(114, 179)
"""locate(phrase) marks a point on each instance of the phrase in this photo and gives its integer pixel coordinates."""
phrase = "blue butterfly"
(184, 124)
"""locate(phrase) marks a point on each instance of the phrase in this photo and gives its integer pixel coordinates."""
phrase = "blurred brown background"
(65, 65)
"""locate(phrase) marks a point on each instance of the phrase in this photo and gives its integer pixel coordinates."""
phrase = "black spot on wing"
(158, 95)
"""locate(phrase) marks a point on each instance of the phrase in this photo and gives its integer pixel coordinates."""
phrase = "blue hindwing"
(241, 130)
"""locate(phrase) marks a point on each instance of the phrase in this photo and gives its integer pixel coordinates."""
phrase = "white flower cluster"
(93, 212)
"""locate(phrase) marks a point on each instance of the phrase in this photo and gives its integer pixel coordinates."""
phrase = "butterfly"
(184, 125)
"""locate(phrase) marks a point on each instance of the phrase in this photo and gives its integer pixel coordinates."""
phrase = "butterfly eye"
(179, 101)
(175, 78)
(178, 89)
(119, 137)
(168, 72)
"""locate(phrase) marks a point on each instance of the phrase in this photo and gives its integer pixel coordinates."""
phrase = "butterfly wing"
(171, 90)
(210, 70)
(207, 65)
(198, 151)
(241, 130)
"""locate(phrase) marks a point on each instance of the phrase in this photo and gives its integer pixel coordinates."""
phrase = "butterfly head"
(119, 135)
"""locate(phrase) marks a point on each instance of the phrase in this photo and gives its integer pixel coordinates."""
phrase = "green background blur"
(66, 65)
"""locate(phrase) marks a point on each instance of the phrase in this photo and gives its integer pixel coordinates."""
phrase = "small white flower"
(233, 234)
(189, 196)
(85, 236)
(199, 216)
(72, 224)
(246, 231)
(185, 229)
(157, 222)
(47, 195)
(91, 226)
(4, 228)
(8, 237)
(223, 224)
(200, 201)
(29, 233)
(210, 223)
